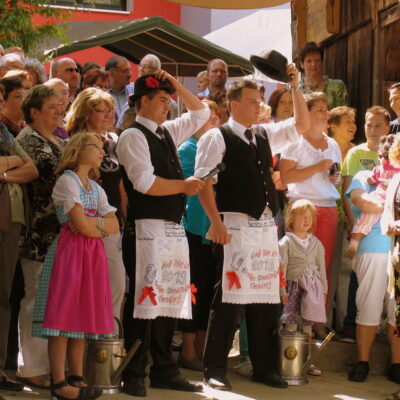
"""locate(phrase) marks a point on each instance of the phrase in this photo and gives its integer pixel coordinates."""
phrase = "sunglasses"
(70, 69)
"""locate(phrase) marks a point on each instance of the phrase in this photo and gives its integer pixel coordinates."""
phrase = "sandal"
(92, 392)
(72, 380)
(40, 382)
(85, 393)
(394, 396)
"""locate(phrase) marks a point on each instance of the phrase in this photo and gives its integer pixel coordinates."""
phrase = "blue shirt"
(374, 242)
(121, 98)
(196, 220)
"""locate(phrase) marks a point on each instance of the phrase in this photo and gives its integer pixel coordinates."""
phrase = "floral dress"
(46, 156)
(74, 294)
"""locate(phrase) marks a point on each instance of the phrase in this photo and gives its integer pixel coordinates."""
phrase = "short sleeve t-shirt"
(374, 242)
(359, 158)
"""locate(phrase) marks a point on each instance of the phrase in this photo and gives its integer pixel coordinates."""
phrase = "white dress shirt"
(211, 146)
(133, 150)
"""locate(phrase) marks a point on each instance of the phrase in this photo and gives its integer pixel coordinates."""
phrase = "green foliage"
(17, 26)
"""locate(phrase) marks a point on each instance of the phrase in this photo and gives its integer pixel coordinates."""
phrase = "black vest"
(166, 165)
(246, 185)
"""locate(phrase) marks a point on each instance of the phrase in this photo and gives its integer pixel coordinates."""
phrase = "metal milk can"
(294, 359)
(105, 359)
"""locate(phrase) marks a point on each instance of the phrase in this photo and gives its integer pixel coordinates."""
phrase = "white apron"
(251, 260)
(162, 286)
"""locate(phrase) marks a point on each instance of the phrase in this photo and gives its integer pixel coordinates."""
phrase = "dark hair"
(138, 102)
(311, 47)
(90, 65)
(10, 84)
(385, 145)
(94, 76)
(35, 98)
(234, 92)
(275, 98)
(113, 62)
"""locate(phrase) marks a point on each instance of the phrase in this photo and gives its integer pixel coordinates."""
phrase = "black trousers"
(261, 321)
(202, 275)
(156, 334)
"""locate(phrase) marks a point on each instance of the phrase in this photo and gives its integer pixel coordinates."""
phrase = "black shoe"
(273, 380)
(177, 382)
(359, 372)
(394, 373)
(85, 393)
(8, 384)
(91, 392)
(135, 387)
(219, 383)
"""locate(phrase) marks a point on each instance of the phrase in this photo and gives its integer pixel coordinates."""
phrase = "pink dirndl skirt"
(79, 297)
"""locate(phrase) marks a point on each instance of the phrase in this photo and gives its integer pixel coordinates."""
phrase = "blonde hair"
(314, 97)
(394, 153)
(71, 152)
(299, 207)
(84, 104)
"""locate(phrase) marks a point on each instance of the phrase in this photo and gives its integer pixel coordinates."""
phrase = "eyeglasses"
(97, 146)
(107, 111)
(70, 69)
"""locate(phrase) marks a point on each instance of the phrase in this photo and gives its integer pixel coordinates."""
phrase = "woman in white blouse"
(310, 169)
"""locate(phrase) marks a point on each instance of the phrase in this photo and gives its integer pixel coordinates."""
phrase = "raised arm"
(191, 101)
(300, 110)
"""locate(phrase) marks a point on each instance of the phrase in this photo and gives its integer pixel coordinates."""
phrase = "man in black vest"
(245, 194)
(156, 193)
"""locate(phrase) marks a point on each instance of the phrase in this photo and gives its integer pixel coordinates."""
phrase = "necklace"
(313, 88)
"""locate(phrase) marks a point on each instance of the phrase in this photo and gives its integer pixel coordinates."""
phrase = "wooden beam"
(299, 8)
(333, 16)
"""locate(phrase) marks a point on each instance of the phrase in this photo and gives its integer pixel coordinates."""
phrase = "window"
(95, 4)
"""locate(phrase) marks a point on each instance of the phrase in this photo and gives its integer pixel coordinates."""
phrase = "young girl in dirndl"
(74, 299)
(303, 262)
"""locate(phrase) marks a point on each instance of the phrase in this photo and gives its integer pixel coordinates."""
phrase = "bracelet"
(100, 224)
(291, 88)
(5, 176)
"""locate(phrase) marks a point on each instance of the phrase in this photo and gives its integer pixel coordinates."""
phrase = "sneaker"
(314, 371)
(359, 372)
(348, 337)
(244, 367)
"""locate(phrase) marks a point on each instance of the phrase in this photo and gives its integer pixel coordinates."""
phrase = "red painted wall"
(141, 9)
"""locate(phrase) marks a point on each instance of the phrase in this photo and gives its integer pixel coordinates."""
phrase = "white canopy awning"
(265, 29)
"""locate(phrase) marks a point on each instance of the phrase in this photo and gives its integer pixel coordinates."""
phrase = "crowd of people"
(220, 217)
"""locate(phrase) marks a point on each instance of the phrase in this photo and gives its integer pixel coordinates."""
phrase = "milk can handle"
(284, 316)
(120, 328)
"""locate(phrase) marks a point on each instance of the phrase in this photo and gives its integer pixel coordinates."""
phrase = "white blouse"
(317, 188)
(66, 193)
